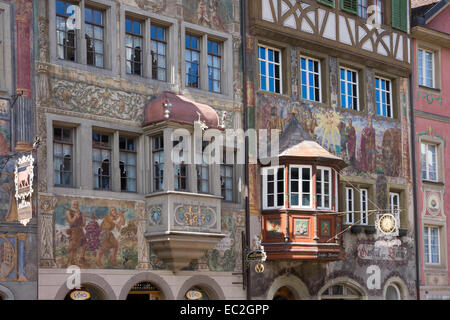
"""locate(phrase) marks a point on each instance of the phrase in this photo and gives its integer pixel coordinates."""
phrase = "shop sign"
(23, 180)
(194, 295)
(80, 295)
(256, 255)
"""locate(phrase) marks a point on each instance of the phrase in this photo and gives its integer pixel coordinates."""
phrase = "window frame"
(135, 35)
(226, 75)
(428, 144)
(219, 55)
(110, 148)
(154, 150)
(275, 190)
(226, 165)
(364, 214)
(72, 146)
(198, 50)
(300, 187)
(358, 88)
(267, 62)
(110, 51)
(330, 189)
(429, 245)
(319, 67)
(128, 152)
(93, 24)
(423, 65)
(352, 211)
(172, 42)
(166, 45)
(391, 100)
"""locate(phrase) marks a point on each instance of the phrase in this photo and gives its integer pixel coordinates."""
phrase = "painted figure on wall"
(350, 140)
(77, 237)
(210, 13)
(367, 151)
(96, 233)
(113, 220)
(4, 137)
(392, 152)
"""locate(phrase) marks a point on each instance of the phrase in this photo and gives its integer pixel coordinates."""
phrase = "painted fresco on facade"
(8, 205)
(96, 233)
(213, 14)
(365, 143)
(224, 256)
(4, 137)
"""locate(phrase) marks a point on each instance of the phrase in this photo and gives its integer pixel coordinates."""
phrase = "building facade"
(115, 81)
(18, 254)
(431, 58)
(333, 77)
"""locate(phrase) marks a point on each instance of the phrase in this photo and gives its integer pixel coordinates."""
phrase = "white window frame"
(300, 187)
(267, 62)
(346, 82)
(429, 245)
(330, 190)
(423, 64)
(350, 211)
(428, 160)
(275, 190)
(395, 212)
(364, 214)
(383, 91)
(307, 78)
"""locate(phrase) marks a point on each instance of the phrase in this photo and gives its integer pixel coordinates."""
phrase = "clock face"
(387, 223)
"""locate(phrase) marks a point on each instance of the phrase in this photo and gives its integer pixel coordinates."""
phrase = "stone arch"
(347, 282)
(6, 293)
(150, 277)
(297, 287)
(209, 284)
(401, 286)
(93, 280)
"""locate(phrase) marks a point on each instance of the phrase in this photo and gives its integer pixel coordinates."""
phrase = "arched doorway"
(86, 292)
(341, 292)
(284, 293)
(197, 293)
(393, 292)
(144, 291)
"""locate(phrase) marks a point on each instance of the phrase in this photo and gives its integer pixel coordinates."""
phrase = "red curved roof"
(183, 110)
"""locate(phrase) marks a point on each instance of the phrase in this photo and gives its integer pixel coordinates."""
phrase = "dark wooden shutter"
(327, 2)
(400, 14)
(350, 6)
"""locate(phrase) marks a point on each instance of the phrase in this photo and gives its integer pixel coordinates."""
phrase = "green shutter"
(327, 2)
(400, 14)
(350, 6)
